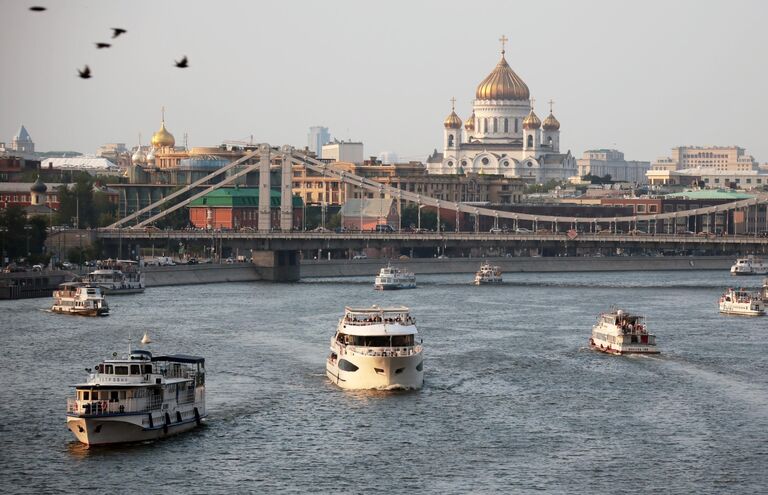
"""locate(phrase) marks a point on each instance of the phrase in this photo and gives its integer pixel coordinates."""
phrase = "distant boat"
(488, 275)
(77, 298)
(117, 277)
(393, 278)
(749, 266)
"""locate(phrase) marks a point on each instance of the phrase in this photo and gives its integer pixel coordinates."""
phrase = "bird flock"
(85, 72)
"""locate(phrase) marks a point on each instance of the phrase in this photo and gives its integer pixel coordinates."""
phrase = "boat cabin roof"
(376, 310)
(179, 358)
(378, 329)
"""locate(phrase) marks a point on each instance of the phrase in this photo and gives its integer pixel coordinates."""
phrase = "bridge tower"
(265, 191)
(286, 190)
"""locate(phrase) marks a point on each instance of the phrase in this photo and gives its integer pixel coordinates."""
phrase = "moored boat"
(76, 298)
(393, 278)
(376, 348)
(117, 277)
(619, 332)
(741, 302)
(749, 266)
(488, 274)
(138, 397)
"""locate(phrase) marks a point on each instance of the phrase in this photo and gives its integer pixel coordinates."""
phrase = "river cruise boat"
(376, 348)
(764, 291)
(749, 266)
(76, 298)
(393, 278)
(741, 302)
(117, 277)
(488, 275)
(620, 333)
(138, 397)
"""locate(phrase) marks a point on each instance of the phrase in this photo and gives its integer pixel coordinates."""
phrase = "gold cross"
(453, 103)
(162, 112)
(551, 102)
(533, 103)
(503, 40)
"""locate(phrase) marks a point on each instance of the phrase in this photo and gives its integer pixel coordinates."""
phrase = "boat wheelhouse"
(488, 274)
(76, 298)
(117, 277)
(376, 348)
(619, 332)
(749, 266)
(138, 397)
(393, 278)
(741, 302)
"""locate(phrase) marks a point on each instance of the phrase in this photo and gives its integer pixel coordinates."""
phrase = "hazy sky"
(640, 77)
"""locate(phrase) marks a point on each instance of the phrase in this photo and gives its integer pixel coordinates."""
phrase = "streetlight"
(28, 229)
(3, 230)
(418, 227)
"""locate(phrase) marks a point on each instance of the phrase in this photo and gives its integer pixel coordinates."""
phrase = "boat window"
(86, 395)
(346, 365)
(121, 370)
(108, 369)
(113, 395)
(402, 340)
(147, 369)
(95, 395)
(135, 369)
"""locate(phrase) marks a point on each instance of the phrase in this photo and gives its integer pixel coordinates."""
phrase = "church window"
(530, 141)
(485, 124)
(463, 163)
(450, 164)
(495, 124)
(530, 164)
(450, 140)
(515, 124)
(506, 125)
(485, 161)
(550, 140)
(506, 164)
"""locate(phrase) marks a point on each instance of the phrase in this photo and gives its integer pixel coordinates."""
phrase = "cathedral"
(503, 136)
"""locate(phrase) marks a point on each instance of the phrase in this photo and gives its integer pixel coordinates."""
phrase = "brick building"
(235, 208)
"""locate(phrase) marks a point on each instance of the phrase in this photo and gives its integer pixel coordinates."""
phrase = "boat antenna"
(129, 342)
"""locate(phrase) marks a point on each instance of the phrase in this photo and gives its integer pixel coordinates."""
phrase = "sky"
(640, 77)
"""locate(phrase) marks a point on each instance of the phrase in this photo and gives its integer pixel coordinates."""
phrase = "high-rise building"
(722, 158)
(604, 162)
(317, 137)
(343, 151)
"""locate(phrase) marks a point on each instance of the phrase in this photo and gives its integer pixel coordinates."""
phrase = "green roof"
(240, 197)
(710, 194)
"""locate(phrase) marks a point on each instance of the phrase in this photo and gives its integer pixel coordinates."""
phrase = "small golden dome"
(531, 121)
(469, 124)
(551, 123)
(163, 138)
(502, 84)
(452, 121)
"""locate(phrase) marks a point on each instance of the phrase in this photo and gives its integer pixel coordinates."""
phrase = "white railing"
(375, 320)
(91, 407)
(380, 351)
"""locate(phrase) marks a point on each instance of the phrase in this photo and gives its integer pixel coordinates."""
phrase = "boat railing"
(99, 407)
(384, 351)
(377, 321)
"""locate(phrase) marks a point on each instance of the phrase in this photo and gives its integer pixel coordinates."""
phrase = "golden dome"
(531, 121)
(502, 84)
(469, 124)
(452, 121)
(551, 123)
(163, 138)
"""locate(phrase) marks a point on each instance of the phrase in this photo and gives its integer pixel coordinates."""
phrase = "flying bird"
(102, 45)
(37, 9)
(182, 64)
(85, 73)
(117, 32)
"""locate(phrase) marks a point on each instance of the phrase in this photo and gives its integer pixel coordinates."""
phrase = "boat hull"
(488, 282)
(742, 312)
(378, 372)
(394, 287)
(109, 430)
(619, 350)
(66, 310)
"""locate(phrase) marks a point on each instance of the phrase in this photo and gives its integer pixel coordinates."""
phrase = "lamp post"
(418, 227)
(28, 230)
(3, 230)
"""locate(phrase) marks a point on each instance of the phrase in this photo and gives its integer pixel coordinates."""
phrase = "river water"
(512, 401)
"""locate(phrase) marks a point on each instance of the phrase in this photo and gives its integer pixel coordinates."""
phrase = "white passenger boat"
(764, 291)
(749, 266)
(619, 333)
(376, 348)
(138, 397)
(488, 275)
(117, 277)
(393, 278)
(741, 302)
(76, 298)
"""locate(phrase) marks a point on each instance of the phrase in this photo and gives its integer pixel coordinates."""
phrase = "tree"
(16, 237)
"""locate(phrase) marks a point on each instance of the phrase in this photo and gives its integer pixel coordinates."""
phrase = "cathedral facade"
(503, 135)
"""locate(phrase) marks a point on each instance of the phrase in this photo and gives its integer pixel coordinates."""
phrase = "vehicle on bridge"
(741, 302)
(376, 348)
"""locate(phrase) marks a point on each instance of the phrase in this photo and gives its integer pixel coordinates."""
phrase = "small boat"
(138, 397)
(77, 298)
(393, 278)
(619, 332)
(376, 348)
(764, 290)
(488, 275)
(741, 302)
(749, 266)
(117, 277)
